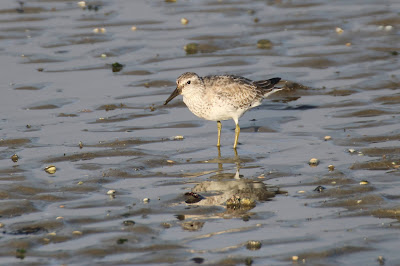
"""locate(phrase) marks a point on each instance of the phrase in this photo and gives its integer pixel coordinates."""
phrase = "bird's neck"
(196, 101)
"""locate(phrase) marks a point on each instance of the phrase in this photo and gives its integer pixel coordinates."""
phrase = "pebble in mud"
(146, 200)
(198, 260)
(192, 225)
(191, 48)
(14, 158)
(111, 193)
(264, 44)
(51, 169)
(184, 21)
(191, 197)
(364, 182)
(253, 245)
(313, 162)
(128, 223)
(331, 167)
(326, 138)
(319, 189)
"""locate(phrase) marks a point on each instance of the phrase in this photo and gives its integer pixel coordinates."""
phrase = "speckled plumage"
(222, 97)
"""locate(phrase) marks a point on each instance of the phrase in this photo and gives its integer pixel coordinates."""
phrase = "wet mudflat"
(121, 186)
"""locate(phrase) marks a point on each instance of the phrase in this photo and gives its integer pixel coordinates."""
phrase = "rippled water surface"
(183, 201)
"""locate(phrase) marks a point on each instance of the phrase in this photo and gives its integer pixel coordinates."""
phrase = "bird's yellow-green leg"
(219, 133)
(237, 131)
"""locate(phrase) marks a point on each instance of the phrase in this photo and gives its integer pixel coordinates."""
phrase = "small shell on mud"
(184, 21)
(14, 158)
(178, 137)
(166, 225)
(59, 218)
(51, 169)
(253, 245)
(80, 182)
(146, 200)
(77, 233)
(133, 28)
(364, 182)
(1, 225)
(388, 28)
(103, 55)
(359, 201)
(170, 161)
(313, 162)
(352, 150)
(301, 191)
(52, 234)
(82, 4)
(348, 44)
(295, 258)
(331, 167)
(339, 30)
(99, 30)
(326, 138)
(111, 192)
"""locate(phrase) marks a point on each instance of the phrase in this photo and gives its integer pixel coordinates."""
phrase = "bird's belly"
(217, 113)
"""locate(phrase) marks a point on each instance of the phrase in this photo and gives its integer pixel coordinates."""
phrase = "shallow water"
(58, 90)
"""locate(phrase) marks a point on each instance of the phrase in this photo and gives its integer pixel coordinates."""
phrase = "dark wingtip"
(274, 80)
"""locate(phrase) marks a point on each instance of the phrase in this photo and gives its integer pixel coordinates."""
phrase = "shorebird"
(222, 97)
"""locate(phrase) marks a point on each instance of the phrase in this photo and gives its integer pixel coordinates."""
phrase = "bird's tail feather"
(268, 86)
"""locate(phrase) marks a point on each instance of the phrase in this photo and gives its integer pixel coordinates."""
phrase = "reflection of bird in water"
(222, 97)
(232, 190)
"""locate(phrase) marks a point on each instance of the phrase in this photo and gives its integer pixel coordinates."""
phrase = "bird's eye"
(188, 82)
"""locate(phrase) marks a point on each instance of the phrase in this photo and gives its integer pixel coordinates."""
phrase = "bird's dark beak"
(173, 95)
